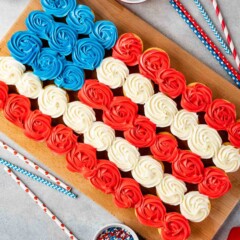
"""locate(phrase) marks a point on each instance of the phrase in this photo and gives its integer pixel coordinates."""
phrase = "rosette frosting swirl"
(40, 23)
(100, 136)
(16, 109)
(220, 114)
(142, 134)
(81, 19)
(172, 83)
(3, 94)
(112, 72)
(10, 70)
(128, 48)
(205, 141)
(37, 126)
(123, 154)
(165, 147)
(71, 78)
(152, 62)
(48, 64)
(121, 113)
(24, 46)
(215, 183)
(196, 97)
(128, 194)
(62, 39)
(227, 158)
(58, 8)
(95, 94)
(234, 134)
(105, 32)
(151, 212)
(171, 190)
(148, 172)
(107, 177)
(138, 88)
(53, 101)
(79, 117)
(82, 158)
(29, 85)
(61, 139)
(183, 124)
(188, 167)
(195, 206)
(88, 53)
(175, 227)
(160, 109)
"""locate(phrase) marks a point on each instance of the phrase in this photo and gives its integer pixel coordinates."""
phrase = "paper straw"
(205, 36)
(226, 32)
(212, 26)
(37, 178)
(34, 165)
(205, 43)
(39, 203)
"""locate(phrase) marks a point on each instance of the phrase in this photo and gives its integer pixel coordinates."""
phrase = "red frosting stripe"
(151, 212)
(188, 167)
(3, 94)
(16, 109)
(234, 134)
(172, 83)
(128, 194)
(196, 97)
(106, 177)
(95, 94)
(220, 114)
(120, 114)
(215, 183)
(175, 227)
(128, 49)
(152, 62)
(61, 139)
(37, 126)
(165, 147)
(143, 132)
(82, 158)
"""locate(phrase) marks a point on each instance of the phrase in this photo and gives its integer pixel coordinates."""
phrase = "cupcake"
(148, 172)
(234, 134)
(3, 94)
(160, 109)
(138, 88)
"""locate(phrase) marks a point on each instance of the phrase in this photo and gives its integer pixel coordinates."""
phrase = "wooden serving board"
(192, 68)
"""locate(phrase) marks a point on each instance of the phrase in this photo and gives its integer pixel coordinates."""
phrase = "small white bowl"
(128, 229)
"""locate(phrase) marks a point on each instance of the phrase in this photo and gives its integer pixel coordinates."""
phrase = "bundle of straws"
(207, 41)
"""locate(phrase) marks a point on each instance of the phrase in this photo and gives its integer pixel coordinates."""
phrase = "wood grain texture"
(193, 69)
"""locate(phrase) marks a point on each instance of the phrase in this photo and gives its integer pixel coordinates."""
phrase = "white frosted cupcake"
(100, 136)
(160, 109)
(171, 190)
(53, 101)
(10, 70)
(79, 116)
(138, 88)
(29, 85)
(112, 72)
(195, 206)
(148, 172)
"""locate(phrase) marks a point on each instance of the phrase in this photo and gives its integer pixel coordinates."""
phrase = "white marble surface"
(20, 218)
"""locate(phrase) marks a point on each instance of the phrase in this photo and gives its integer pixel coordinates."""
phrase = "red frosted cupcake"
(3, 94)
(234, 134)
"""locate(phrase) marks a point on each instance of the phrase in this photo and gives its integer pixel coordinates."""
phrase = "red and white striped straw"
(226, 32)
(34, 165)
(39, 203)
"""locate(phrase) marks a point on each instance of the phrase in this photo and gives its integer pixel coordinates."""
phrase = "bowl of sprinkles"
(115, 231)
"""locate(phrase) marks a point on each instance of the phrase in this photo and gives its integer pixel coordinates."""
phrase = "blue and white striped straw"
(37, 178)
(212, 26)
(205, 43)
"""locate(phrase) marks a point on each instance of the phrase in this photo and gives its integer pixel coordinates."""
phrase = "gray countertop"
(21, 218)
